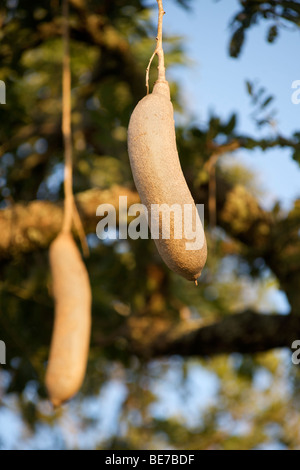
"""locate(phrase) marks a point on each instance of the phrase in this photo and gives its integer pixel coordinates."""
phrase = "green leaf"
(272, 34)
(249, 88)
(267, 101)
(228, 129)
(296, 155)
(236, 42)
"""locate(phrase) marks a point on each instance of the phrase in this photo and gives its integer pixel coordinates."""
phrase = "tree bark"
(30, 227)
(245, 332)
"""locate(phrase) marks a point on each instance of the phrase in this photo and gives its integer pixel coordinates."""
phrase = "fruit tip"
(56, 404)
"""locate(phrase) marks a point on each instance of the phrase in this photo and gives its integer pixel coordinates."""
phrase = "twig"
(212, 200)
(210, 166)
(159, 49)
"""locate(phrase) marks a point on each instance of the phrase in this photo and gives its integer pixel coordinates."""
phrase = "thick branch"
(28, 227)
(246, 332)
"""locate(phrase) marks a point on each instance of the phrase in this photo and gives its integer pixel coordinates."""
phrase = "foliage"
(281, 14)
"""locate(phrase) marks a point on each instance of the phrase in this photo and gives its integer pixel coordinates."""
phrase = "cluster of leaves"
(280, 14)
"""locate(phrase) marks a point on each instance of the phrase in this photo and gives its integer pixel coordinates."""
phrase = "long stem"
(212, 203)
(66, 122)
(159, 49)
(80, 231)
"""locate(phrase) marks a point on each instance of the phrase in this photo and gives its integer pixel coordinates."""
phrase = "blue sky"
(216, 82)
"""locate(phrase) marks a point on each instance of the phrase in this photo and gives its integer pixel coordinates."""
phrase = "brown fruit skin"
(72, 325)
(158, 175)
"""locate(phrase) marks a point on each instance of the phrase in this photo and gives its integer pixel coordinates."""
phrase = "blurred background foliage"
(128, 401)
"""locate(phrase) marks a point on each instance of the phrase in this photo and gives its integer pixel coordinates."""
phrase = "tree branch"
(246, 332)
(29, 227)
